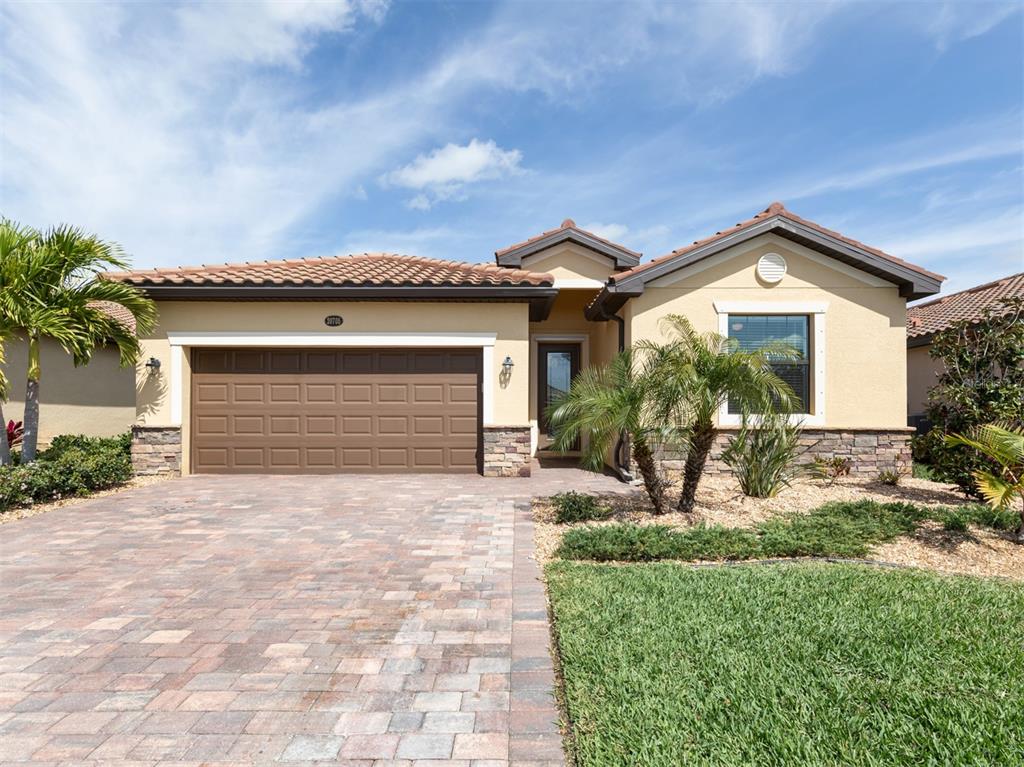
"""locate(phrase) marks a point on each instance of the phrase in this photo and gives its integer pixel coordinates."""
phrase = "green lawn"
(806, 664)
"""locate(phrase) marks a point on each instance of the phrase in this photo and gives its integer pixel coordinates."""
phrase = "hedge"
(73, 465)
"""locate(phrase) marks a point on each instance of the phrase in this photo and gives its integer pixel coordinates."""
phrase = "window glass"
(753, 332)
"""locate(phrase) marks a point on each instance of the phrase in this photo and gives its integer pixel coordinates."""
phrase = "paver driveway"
(329, 620)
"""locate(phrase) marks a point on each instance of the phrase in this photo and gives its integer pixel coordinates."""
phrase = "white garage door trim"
(180, 341)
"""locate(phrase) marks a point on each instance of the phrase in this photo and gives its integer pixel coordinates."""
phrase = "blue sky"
(205, 133)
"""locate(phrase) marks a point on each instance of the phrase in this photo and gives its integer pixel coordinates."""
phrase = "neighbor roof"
(367, 269)
(924, 320)
(914, 281)
(116, 312)
(513, 255)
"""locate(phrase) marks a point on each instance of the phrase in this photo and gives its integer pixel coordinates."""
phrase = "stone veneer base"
(156, 449)
(868, 450)
(507, 451)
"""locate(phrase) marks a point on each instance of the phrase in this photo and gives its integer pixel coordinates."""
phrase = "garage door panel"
(247, 425)
(335, 410)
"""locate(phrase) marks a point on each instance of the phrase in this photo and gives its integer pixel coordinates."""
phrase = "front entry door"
(557, 366)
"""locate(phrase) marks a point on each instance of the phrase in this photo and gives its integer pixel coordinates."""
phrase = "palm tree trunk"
(30, 440)
(648, 467)
(1020, 530)
(700, 445)
(5, 449)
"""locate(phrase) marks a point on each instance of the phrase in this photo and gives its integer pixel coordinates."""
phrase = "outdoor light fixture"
(153, 365)
(507, 364)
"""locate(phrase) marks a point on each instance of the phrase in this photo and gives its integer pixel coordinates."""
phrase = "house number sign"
(333, 320)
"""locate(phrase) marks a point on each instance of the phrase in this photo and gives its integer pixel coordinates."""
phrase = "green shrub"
(842, 529)
(982, 381)
(72, 466)
(647, 543)
(578, 507)
(954, 520)
(829, 470)
(959, 518)
(920, 470)
(763, 459)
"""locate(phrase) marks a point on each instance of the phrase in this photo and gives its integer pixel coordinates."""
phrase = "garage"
(335, 410)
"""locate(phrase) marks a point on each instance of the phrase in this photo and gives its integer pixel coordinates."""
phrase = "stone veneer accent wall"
(156, 449)
(869, 450)
(506, 451)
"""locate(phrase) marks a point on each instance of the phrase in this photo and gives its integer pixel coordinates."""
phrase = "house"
(926, 319)
(97, 399)
(389, 363)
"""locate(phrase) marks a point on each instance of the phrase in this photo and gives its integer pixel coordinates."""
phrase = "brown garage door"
(290, 411)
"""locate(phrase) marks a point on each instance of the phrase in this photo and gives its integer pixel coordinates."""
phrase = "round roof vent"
(771, 267)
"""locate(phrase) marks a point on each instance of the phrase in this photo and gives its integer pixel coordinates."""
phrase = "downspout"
(620, 452)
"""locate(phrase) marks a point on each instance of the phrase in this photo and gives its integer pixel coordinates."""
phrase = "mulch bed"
(719, 502)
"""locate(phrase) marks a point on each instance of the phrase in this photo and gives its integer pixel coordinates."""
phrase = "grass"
(806, 664)
(842, 529)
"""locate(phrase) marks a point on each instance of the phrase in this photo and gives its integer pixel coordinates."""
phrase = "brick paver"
(292, 620)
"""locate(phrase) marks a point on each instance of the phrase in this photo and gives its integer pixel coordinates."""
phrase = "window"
(753, 332)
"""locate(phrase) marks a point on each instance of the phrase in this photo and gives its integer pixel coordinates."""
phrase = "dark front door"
(558, 364)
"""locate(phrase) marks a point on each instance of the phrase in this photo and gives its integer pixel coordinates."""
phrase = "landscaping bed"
(72, 467)
(802, 663)
(917, 523)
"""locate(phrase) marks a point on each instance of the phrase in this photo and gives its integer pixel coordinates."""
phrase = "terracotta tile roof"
(938, 314)
(365, 270)
(775, 209)
(116, 312)
(567, 224)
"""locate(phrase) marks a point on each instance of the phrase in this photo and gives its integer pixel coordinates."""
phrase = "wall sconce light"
(507, 364)
(153, 364)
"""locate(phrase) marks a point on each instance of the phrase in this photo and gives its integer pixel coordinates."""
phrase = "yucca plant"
(763, 456)
(1003, 445)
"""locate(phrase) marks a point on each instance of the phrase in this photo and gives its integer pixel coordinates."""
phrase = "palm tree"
(601, 404)
(1004, 446)
(698, 373)
(5, 387)
(51, 286)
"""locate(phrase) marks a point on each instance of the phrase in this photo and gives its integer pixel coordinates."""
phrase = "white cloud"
(613, 232)
(432, 242)
(976, 235)
(443, 173)
(955, 21)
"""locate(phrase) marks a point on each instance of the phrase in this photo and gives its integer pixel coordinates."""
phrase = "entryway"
(557, 365)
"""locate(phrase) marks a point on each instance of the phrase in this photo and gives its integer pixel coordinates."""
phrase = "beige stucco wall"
(97, 399)
(922, 374)
(569, 261)
(508, 320)
(865, 363)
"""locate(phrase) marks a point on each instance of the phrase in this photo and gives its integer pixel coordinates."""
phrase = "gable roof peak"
(568, 230)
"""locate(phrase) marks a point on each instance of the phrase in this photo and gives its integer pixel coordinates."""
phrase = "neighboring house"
(97, 399)
(380, 362)
(926, 319)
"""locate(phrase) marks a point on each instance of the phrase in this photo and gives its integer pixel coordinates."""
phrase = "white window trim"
(180, 341)
(817, 310)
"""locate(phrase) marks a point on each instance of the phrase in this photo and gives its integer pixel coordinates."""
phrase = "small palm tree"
(1004, 446)
(601, 404)
(698, 373)
(51, 286)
